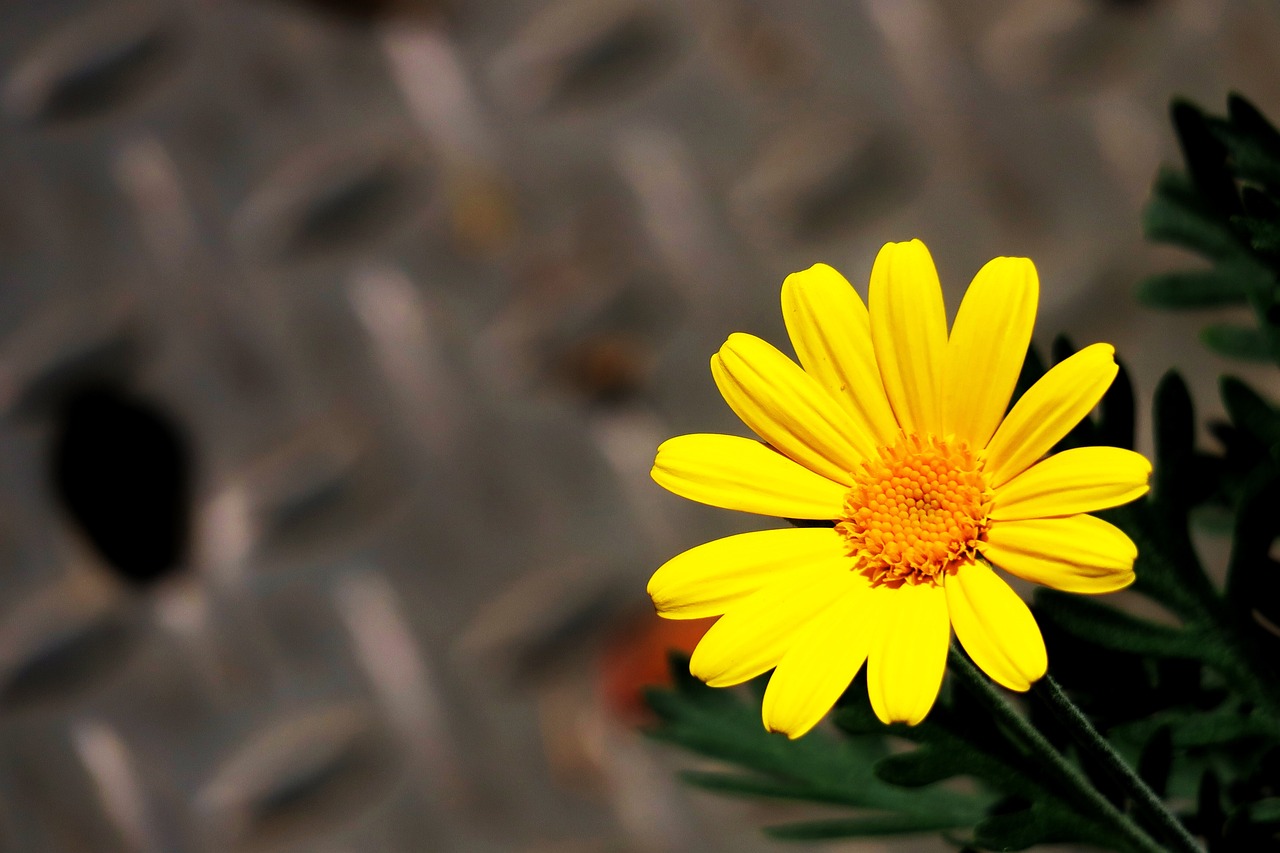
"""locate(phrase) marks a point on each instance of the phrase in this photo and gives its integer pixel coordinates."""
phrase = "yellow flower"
(896, 432)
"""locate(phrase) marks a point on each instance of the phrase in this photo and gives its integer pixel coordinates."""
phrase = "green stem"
(1041, 749)
(1170, 829)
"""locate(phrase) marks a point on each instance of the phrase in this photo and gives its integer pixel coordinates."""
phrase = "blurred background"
(336, 338)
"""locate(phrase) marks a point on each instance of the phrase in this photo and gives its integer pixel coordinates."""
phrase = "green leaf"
(1258, 204)
(1205, 157)
(1156, 761)
(1263, 234)
(1175, 442)
(1234, 341)
(1193, 730)
(1176, 214)
(1196, 289)
(1037, 824)
(1217, 728)
(1116, 422)
(926, 765)
(1210, 814)
(1265, 811)
(857, 718)
(956, 739)
(741, 784)
(1252, 122)
(1252, 141)
(1167, 569)
(1114, 629)
(1249, 412)
(716, 723)
(1253, 577)
(871, 826)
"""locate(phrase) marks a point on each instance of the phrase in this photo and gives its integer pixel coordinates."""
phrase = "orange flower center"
(917, 511)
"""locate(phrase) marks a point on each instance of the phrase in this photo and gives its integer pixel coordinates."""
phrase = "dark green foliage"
(1253, 575)
(1210, 815)
(1176, 215)
(960, 738)
(1252, 415)
(896, 793)
(1196, 289)
(1156, 761)
(818, 768)
(1029, 826)
(1116, 630)
(1233, 341)
(1225, 206)
(1206, 158)
(860, 827)
(1193, 699)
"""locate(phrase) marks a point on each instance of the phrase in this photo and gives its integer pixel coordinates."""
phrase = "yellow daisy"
(896, 432)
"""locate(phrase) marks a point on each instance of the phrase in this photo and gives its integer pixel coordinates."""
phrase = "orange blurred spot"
(635, 658)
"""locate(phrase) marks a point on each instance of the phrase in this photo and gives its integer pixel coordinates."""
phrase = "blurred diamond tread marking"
(583, 53)
(297, 775)
(59, 641)
(331, 199)
(94, 64)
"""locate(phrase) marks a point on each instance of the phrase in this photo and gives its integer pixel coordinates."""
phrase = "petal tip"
(915, 244)
(736, 341)
(813, 271)
(699, 670)
(1022, 269)
(1022, 683)
(774, 727)
(666, 602)
(654, 590)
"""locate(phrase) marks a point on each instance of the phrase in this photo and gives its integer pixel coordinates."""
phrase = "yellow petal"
(711, 578)
(739, 473)
(1078, 553)
(1083, 479)
(754, 635)
(831, 333)
(909, 654)
(909, 332)
(821, 662)
(987, 346)
(995, 627)
(788, 408)
(1049, 410)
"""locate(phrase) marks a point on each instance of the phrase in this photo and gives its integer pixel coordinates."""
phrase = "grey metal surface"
(424, 288)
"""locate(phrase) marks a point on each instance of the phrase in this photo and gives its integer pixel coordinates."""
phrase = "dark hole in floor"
(121, 468)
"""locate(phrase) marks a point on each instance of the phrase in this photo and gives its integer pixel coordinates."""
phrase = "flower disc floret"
(916, 511)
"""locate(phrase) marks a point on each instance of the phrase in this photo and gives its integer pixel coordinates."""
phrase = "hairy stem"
(1043, 752)
(1158, 817)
